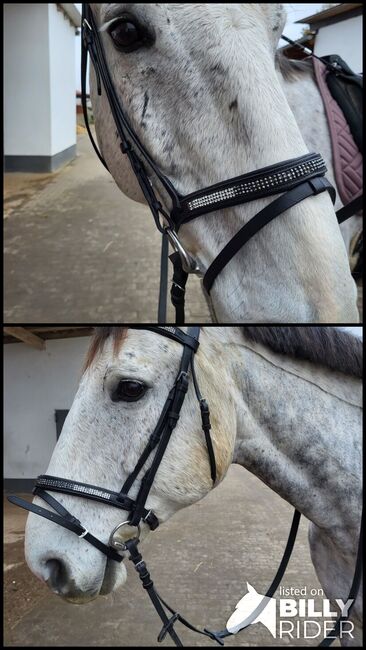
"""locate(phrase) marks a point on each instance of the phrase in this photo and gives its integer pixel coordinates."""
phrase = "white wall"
(36, 382)
(39, 80)
(62, 84)
(26, 80)
(343, 38)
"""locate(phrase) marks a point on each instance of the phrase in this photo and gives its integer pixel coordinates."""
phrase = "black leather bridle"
(158, 441)
(294, 179)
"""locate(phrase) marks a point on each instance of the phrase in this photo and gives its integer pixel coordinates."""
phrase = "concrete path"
(200, 561)
(78, 251)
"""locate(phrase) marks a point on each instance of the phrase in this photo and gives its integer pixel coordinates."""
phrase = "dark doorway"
(60, 417)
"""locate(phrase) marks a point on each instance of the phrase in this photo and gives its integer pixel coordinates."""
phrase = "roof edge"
(341, 9)
(72, 12)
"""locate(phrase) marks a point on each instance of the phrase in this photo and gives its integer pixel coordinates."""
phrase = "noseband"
(294, 179)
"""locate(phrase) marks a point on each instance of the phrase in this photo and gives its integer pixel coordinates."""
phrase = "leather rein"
(295, 179)
(158, 442)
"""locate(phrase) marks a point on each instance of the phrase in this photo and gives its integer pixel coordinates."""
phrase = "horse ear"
(251, 589)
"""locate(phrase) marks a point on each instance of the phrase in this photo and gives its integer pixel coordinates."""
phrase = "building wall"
(343, 38)
(35, 384)
(27, 109)
(62, 81)
(39, 87)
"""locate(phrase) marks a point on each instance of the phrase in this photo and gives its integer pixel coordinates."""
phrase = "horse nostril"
(58, 577)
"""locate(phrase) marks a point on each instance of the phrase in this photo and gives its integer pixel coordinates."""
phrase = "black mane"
(328, 346)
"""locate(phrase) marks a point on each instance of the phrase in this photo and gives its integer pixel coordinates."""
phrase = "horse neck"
(299, 440)
(310, 252)
(316, 136)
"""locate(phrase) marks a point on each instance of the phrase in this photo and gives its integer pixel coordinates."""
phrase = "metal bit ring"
(118, 544)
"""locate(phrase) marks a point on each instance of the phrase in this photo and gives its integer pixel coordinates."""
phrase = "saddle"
(342, 94)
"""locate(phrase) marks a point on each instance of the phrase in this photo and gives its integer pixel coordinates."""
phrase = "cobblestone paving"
(77, 250)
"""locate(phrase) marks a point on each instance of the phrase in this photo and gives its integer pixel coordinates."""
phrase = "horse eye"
(127, 35)
(128, 390)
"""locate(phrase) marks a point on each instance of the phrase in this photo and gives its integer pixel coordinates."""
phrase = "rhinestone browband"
(174, 333)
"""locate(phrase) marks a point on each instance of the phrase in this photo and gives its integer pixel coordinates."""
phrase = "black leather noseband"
(294, 179)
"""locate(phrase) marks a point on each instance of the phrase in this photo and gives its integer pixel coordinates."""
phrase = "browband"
(173, 333)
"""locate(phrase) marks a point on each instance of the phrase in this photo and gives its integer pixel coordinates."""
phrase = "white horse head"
(104, 436)
(247, 605)
(199, 86)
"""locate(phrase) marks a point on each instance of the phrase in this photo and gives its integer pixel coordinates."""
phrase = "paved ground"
(200, 560)
(77, 250)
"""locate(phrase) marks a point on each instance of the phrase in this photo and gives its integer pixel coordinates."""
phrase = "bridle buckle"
(87, 24)
(87, 33)
(147, 516)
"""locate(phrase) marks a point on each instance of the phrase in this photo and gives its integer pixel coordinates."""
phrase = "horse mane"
(327, 346)
(100, 336)
(292, 69)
